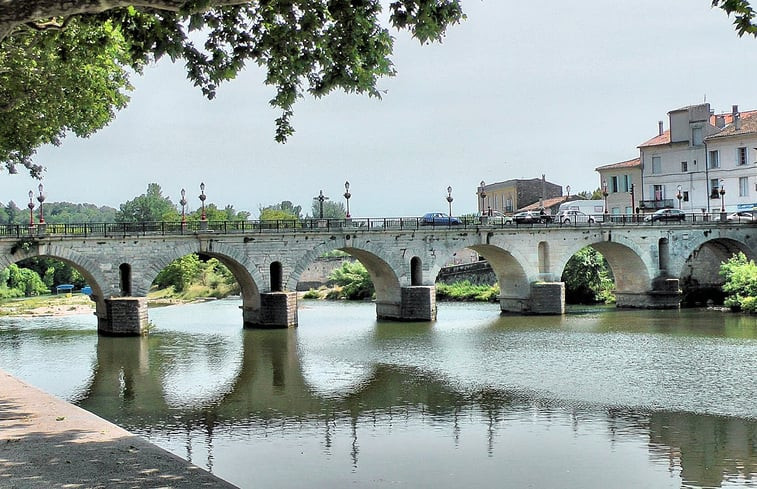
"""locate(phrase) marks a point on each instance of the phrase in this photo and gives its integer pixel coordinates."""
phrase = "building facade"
(703, 163)
(511, 195)
(620, 181)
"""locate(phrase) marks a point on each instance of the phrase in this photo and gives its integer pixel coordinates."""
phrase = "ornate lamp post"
(203, 217)
(183, 203)
(320, 200)
(347, 196)
(449, 200)
(604, 193)
(41, 199)
(482, 194)
(722, 196)
(567, 189)
(31, 208)
(679, 196)
(633, 200)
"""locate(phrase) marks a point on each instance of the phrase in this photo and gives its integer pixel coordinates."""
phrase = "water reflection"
(268, 384)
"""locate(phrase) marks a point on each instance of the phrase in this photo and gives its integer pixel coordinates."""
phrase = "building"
(702, 163)
(512, 195)
(620, 181)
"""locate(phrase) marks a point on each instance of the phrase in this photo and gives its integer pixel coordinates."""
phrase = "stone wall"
(478, 273)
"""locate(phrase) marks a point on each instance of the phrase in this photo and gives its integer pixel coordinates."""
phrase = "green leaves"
(740, 285)
(743, 14)
(54, 82)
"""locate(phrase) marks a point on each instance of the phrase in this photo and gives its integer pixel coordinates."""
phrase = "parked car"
(439, 219)
(573, 216)
(531, 217)
(742, 216)
(497, 217)
(666, 215)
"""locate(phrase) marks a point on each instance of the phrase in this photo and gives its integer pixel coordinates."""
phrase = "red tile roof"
(547, 204)
(663, 138)
(748, 126)
(623, 164)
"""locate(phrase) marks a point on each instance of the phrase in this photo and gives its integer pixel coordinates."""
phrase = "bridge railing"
(358, 224)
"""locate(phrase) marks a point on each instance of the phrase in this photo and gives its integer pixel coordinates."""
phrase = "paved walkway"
(48, 443)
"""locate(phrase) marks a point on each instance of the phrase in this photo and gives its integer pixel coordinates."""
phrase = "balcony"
(656, 204)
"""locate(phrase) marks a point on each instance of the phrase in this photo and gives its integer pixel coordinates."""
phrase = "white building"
(700, 154)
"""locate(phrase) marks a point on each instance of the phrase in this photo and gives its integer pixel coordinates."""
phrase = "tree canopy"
(64, 66)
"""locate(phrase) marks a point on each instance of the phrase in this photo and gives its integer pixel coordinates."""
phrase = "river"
(596, 398)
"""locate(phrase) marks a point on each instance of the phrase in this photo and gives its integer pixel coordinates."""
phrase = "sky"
(512, 92)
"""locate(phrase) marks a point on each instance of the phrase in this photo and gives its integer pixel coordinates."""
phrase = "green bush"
(353, 280)
(465, 291)
(740, 283)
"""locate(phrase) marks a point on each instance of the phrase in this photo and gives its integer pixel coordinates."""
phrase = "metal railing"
(355, 224)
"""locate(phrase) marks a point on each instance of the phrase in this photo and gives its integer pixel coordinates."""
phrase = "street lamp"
(633, 200)
(320, 200)
(183, 203)
(203, 217)
(567, 189)
(41, 199)
(604, 193)
(482, 193)
(679, 196)
(31, 208)
(347, 196)
(722, 196)
(449, 200)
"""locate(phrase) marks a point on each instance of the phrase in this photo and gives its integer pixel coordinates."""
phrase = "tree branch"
(17, 12)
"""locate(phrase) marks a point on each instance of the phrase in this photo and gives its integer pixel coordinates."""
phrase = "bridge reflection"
(269, 386)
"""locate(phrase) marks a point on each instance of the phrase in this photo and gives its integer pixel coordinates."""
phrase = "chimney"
(659, 128)
(720, 121)
(736, 117)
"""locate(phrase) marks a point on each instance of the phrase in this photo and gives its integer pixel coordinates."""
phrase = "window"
(685, 195)
(741, 156)
(714, 187)
(658, 192)
(696, 136)
(656, 165)
(614, 184)
(714, 161)
(684, 166)
(743, 186)
(625, 183)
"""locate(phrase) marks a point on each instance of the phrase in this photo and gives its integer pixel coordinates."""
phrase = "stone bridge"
(650, 263)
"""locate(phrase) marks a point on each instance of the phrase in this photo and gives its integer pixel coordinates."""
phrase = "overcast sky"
(512, 92)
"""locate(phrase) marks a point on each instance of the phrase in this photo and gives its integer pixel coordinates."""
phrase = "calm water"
(595, 399)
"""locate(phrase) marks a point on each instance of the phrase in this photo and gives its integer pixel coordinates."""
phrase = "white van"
(581, 211)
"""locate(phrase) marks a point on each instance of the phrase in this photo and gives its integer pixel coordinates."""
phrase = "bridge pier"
(545, 298)
(665, 294)
(277, 310)
(417, 303)
(124, 316)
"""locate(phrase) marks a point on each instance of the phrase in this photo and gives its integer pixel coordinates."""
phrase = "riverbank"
(47, 442)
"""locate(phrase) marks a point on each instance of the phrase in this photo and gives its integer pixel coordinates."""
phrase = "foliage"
(465, 291)
(588, 279)
(188, 277)
(740, 286)
(312, 294)
(21, 282)
(56, 81)
(80, 50)
(57, 213)
(285, 211)
(331, 210)
(54, 272)
(179, 273)
(150, 206)
(353, 281)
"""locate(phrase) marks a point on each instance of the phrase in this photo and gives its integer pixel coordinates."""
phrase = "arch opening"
(416, 271)
(124, 279)
(276, 271)
(700, 279)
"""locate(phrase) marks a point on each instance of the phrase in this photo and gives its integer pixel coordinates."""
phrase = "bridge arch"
(631, 274)
(699, 273)
(88, 269)
(384, 276)
(246, 274)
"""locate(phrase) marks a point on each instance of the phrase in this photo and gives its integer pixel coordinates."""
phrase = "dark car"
(531, 217)
(666, 215)
(439, 219)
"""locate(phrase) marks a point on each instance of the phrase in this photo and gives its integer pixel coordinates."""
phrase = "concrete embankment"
(48, 443)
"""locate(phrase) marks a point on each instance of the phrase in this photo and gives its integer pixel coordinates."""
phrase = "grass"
(45, 304)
